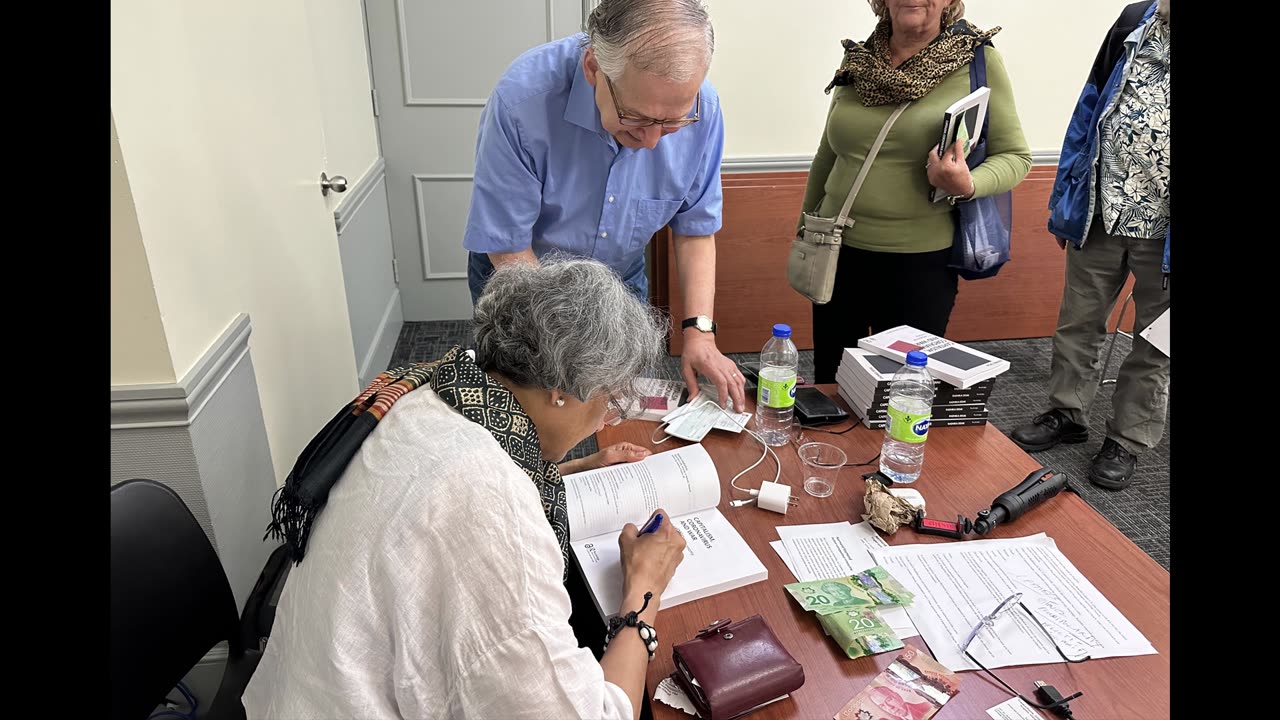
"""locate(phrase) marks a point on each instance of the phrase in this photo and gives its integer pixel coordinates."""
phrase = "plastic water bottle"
(776, 396)
(910, 409)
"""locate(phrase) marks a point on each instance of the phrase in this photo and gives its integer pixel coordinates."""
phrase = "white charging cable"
(777, 475)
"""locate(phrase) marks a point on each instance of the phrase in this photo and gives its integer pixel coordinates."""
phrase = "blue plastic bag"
(983, 225)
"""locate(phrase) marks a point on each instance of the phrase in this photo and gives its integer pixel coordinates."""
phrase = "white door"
(340, 55)
(434, 64)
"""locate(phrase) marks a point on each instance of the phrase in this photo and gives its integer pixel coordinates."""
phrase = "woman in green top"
(893, 266)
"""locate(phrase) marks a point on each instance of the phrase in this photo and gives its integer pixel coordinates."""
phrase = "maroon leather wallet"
(731, 668)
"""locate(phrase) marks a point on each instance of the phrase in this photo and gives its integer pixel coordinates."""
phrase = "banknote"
(831, 595)
(860, 632)
(882, 586)
(869, 588)
(913, 687)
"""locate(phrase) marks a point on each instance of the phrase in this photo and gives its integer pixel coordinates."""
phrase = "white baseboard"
(383, 346)
(178, 404)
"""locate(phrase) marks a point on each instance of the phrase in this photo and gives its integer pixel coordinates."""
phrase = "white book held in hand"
(949, 361)
(683, 482)
(962, 121)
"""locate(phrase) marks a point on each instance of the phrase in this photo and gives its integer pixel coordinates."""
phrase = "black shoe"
(1113, 466)
(1048, 430)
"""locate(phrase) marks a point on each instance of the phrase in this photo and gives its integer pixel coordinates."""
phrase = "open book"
(962, 122)
(957, 364)
(684, 482)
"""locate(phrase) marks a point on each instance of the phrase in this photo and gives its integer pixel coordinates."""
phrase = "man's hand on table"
(701, 356)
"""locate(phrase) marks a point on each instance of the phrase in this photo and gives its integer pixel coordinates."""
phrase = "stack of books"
(963, 377)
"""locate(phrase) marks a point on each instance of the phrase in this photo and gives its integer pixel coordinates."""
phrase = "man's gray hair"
(672, 39)
(567, 324)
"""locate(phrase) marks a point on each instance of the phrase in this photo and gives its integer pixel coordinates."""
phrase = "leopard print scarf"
(867, 67)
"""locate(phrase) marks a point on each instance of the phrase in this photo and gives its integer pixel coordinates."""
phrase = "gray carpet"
(1141, 512)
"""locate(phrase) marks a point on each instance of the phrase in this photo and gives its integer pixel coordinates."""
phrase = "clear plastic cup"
(821, 463)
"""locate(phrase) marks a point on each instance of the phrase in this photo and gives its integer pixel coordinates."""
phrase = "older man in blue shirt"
(590, 144)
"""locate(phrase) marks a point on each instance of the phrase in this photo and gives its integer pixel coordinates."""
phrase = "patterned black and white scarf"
(458, 381)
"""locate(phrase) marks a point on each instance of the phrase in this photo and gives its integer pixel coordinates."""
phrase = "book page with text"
(716, 559)
(680, 481)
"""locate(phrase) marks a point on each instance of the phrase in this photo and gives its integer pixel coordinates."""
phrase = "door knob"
(337, 183)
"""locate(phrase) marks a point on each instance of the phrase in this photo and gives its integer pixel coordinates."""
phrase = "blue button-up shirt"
(549, 176)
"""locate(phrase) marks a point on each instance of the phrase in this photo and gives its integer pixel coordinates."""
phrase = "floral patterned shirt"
(1134, 163)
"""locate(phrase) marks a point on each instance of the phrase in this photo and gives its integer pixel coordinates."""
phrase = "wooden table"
(965, 468)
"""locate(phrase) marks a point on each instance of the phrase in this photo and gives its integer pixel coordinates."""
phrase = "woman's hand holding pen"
(649, 559)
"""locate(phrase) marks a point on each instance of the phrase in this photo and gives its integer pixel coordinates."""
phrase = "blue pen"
(652, 525)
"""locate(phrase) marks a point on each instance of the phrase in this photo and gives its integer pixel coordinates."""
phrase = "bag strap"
(977, 79)
(866, 166)
(978, 67)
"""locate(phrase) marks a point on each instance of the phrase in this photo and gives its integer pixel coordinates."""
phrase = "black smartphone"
(815, 408)
(750, 374)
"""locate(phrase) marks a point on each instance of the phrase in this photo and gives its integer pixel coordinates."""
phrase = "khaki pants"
(1095, 276)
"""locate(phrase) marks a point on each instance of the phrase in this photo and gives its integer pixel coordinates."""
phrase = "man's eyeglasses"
(635, 121)
(1008, 604)
(616, 412)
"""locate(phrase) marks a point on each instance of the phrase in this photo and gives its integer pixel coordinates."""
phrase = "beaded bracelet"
(631, 619)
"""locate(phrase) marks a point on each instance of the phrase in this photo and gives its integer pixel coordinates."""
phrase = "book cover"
(864, 414)
(655, 398)
(878, 370)
(882, 401)
(957, 364)
(957, 422)
(1157, 333)
(944, 393)
(945, 412)
(877, 409)
(868, 397)
(962, 122)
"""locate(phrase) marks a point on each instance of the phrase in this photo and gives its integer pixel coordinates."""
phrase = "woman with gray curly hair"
(898, 241)
(432, 580)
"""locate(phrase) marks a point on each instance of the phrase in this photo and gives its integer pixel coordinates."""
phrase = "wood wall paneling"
(760, 212)
(752, 293)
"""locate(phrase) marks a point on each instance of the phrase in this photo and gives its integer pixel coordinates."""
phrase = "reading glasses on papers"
(989, 622)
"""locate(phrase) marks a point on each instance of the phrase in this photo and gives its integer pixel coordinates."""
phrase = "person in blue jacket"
(1110, 201)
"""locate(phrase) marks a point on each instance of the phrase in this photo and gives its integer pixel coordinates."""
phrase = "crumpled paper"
(886, 511)
(670, 693)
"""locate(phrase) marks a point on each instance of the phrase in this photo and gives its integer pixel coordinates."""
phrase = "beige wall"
(139, 350)
(773, 60)
(226, 123)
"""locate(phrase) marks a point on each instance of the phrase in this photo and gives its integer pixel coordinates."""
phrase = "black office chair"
(171, 603)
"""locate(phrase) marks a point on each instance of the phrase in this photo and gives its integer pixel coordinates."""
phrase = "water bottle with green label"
(910, 410)
(776, 397)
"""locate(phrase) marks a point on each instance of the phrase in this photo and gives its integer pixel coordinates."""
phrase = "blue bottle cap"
(781, 331)
(915, 358)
